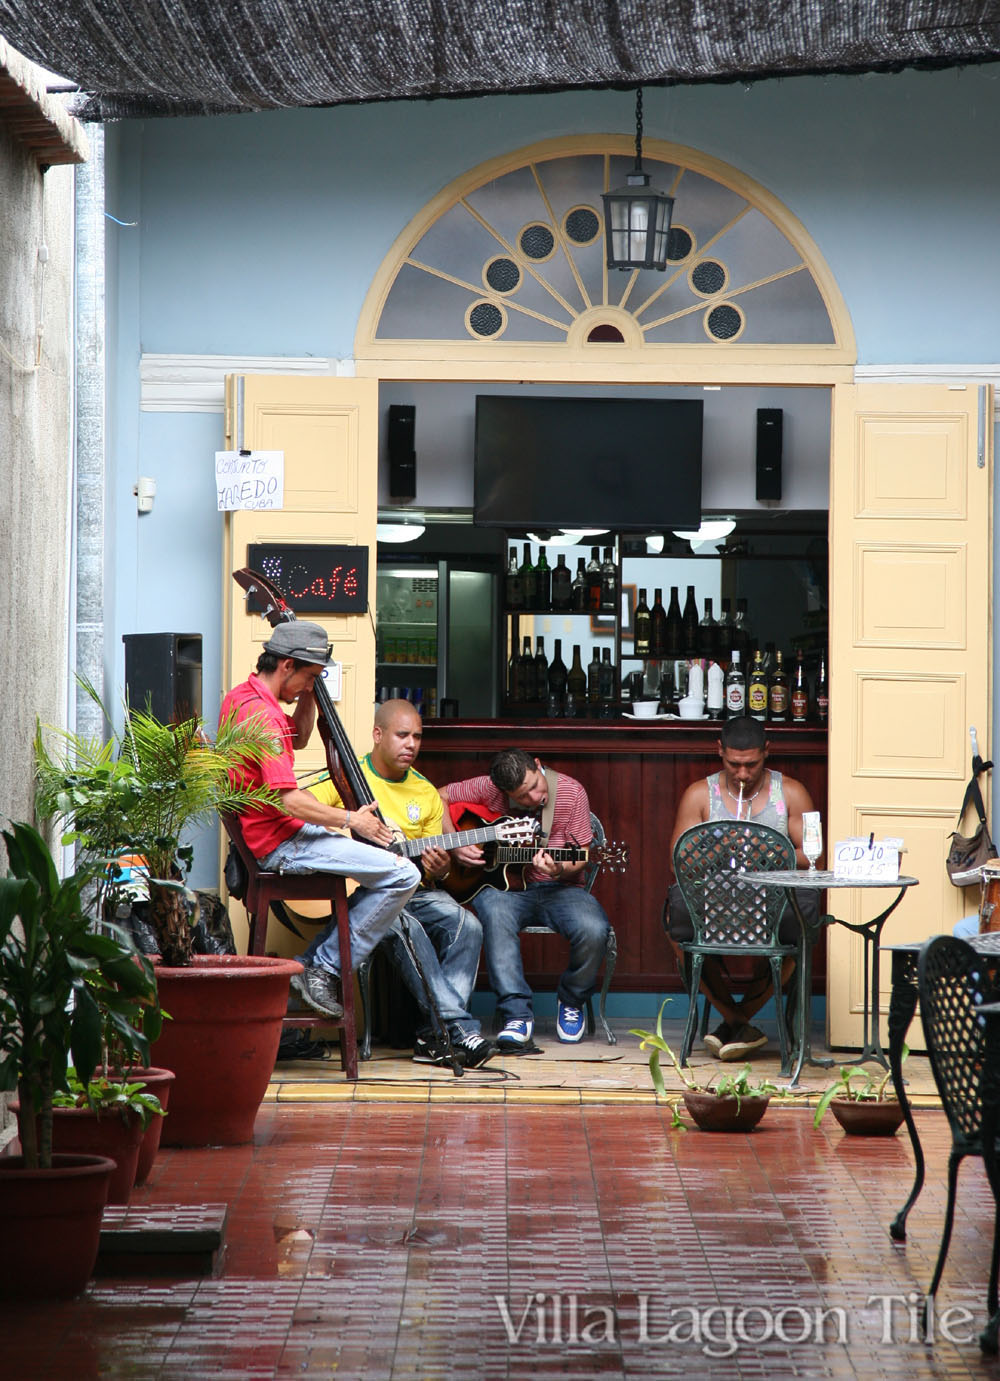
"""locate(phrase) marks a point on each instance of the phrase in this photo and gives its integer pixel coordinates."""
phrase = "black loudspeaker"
(769, 424)
(402, 456)
(163, 674)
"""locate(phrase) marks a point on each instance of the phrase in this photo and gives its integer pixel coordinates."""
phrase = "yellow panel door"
(328, 432)
(910, 645)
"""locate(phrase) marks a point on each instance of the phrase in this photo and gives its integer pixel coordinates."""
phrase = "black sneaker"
(473, 1050)
(428, 1050)
(320, 990)
(715, 1040)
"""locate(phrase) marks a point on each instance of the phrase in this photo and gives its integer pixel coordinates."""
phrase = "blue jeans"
(387, 883)
(447, 940)
(569, 911)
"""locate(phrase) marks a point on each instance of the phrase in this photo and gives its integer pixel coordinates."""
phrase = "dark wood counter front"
(634, 775)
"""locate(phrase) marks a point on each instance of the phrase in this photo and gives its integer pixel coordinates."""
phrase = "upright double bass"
(341, 760)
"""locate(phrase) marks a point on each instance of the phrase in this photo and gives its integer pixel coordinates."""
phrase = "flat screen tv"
(624, 464)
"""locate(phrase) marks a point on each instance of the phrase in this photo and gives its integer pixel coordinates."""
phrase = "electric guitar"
(505, 864)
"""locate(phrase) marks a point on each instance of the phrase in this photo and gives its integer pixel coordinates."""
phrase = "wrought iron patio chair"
(954, 982)
(731, 917)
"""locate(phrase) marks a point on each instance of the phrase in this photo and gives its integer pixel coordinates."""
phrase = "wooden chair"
(263, 888)
(598, 836)
(731, 917)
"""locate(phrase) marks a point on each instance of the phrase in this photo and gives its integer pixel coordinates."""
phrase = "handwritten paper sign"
(861, 857)
(250, 479)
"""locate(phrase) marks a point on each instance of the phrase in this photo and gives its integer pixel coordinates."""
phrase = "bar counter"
(634, 775)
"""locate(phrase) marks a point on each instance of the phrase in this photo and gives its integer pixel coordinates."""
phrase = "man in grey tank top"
(745, 789)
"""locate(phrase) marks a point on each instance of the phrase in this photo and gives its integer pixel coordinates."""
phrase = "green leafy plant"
(739, 1085)
(139, 793)
(53, 960)
(103, 1094)
(856, 1085)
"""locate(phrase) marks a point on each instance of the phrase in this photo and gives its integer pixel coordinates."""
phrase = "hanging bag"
(969, 852)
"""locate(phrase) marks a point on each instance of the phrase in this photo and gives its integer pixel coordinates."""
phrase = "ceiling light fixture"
(399, 532)
(637, 216)
(711, 530)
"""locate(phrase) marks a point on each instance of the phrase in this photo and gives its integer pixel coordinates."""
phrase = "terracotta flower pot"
(158, 1082)
(865, 1117)
(221, 1041)
(81, 1132)
(51, 1225)
(714, 1114)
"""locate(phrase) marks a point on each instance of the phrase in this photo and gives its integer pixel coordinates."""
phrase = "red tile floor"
(392, 1240)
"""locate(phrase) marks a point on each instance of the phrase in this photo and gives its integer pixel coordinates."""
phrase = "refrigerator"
(437, 640)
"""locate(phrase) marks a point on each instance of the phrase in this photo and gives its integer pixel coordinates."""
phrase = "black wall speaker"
(769, 424)
(163, 674)
(402, 456)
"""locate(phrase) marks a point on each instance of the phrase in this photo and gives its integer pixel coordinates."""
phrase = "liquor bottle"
(526, 672)
(513, 589)
(822, 692)
(562, 585)
(594, 682)
(607, 680)
(658, 627)
(541, 670)
(777, 692)
(740, 638)
(579, 590)
(736, 690)
(643, 626)
(799, 699)
(594, 580)
(609, 583)
(557, 675)
(529, 584)
(708, 635)
(724, 633)
(675, 626)
(576, 683)
(543, 582)
(690, 621)
(757, 689)
(513, 672)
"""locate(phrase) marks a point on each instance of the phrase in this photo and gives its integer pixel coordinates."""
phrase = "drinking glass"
(812, 837)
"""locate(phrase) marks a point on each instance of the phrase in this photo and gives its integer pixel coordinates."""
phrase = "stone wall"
(36, 393)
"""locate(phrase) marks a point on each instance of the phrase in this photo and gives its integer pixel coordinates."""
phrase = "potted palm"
(141, 792)
(727, 1103)
(52, 959)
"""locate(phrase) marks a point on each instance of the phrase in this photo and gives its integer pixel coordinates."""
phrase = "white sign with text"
(864, 857)
(249, 479)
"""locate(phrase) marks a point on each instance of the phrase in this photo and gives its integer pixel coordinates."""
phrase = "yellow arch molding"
(635, 360)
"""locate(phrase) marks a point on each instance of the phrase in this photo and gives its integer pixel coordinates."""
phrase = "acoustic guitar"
(506, 863)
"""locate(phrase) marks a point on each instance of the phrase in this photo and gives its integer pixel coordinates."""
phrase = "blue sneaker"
(516, 1034)
(570, 1023)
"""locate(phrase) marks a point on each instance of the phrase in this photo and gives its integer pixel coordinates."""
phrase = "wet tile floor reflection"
(392, 1240)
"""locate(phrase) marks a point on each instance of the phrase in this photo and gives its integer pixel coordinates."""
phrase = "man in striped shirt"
(554, 895)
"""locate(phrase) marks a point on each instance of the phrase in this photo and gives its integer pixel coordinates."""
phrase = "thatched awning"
(176, 57)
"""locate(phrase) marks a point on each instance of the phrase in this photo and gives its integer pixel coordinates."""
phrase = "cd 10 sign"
(314, 580)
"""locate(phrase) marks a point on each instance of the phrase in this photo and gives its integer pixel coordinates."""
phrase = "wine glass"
(812, 837)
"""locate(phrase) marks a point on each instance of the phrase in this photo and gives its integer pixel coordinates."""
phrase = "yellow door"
(328, 431)
(910, 645)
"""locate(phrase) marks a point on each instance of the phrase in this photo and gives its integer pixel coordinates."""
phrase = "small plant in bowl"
(862, 1102)
(105, 1094)
(728, 1102)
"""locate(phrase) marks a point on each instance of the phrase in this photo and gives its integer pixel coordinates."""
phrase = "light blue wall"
(260, 235)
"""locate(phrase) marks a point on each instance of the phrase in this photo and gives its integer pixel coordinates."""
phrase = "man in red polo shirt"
(300, 837)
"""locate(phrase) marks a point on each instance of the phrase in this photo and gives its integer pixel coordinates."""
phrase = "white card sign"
(864, 857)
(333, 675)
(249, 479)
